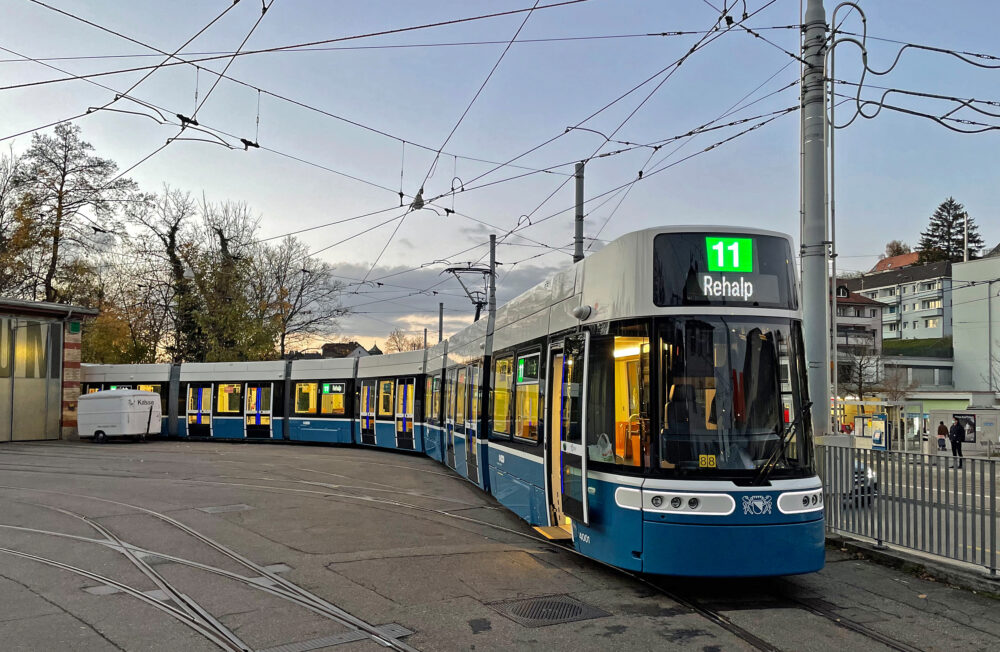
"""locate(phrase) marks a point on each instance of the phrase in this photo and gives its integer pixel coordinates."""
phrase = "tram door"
(257, 417)
(368, 401)
(555, 438)
(572, 423)
(449, 406)
(472, 423)
(405, 388)
(199, 410)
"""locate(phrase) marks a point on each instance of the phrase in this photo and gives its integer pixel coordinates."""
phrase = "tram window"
(476, 393)
(618, 430)
(432, 396)
(404, 397)
(230, 395)
(149, 388)
(261, 392)
(730, 386)
(332, 401)
(305, 398)
(460, 396)
(503, 371)
(385, 398)
(526, 397)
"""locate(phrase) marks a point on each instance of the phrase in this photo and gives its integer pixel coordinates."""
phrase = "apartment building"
(977, 324)
(917, 299)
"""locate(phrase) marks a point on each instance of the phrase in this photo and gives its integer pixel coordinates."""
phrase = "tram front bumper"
(733, 550)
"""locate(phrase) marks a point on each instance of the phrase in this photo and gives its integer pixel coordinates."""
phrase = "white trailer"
(118, 413)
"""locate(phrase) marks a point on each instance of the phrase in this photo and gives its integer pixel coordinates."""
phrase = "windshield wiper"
(765, 470)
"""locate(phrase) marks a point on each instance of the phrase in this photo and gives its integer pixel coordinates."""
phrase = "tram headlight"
(805, 501)
(675, 502)
(693, 503)
(815, 499)
(657, 501)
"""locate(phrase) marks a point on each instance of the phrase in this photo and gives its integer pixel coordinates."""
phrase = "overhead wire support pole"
(815, 249)
(578, 237)
(440, 322)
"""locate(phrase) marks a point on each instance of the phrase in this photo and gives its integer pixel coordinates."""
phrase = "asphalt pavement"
(207, 546)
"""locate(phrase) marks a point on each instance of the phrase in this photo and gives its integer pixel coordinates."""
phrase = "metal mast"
(815, 251)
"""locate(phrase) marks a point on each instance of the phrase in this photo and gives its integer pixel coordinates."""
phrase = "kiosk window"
(332, 402)
(504, 382)
(385, 398)
(305, 398)
(230, 397)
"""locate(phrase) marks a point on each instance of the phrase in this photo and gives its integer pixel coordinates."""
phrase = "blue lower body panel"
(331, 431)
(733, 550)
(226, 428)
(614, 534)
(432, 442)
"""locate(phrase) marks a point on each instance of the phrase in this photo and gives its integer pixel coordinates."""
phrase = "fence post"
(993, 518)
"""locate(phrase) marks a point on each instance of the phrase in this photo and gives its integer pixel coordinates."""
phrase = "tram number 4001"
(584, 537)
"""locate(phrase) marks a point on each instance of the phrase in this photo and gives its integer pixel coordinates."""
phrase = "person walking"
(957, 435)
(942, 434)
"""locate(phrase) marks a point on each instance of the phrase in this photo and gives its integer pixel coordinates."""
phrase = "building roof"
(892, 277)
(853, 298)
(44, 309)
(992, 253)
(340, 349)
(895, 262)
(375, 350)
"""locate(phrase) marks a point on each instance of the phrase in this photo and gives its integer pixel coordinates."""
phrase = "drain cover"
(549, 610)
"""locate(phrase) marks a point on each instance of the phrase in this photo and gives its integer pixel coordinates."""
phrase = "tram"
(648, 405)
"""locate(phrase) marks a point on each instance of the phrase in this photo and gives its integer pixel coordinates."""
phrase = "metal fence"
(912, 500)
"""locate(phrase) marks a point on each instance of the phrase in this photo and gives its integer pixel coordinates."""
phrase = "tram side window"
(230, 398)
(305, 398)
(503, 373)
(433, 397)
(385, 388)
(475, 396)
(155, 388)
(332, 399)
(618, 430)
(460, 397)
(526, 396)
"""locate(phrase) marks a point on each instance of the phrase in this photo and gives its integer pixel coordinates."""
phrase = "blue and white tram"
(648, 404)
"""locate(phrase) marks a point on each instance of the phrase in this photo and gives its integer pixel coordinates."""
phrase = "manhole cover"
(550, 610)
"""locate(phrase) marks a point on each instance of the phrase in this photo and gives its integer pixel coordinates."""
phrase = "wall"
(976, 324)
(71, 379)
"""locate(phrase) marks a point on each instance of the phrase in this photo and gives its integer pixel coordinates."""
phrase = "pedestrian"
(942, 434)
(957, 436)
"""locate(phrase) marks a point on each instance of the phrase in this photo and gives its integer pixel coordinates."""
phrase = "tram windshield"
(730, 388)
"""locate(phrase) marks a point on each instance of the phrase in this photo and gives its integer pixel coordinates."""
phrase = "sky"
(361, 119)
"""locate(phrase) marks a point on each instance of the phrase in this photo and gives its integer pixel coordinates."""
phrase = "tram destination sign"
(723, 269)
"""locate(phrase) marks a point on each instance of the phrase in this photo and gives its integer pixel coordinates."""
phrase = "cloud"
(408, 299)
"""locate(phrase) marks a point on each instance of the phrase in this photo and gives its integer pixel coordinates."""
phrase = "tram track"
(281, 587)
(710, 613)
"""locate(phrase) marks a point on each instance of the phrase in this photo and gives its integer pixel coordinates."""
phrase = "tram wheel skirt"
(733, 550)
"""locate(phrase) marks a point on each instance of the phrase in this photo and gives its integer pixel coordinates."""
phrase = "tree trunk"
(50, 292)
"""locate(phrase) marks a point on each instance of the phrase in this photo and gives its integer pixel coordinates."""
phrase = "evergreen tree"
(943, 239)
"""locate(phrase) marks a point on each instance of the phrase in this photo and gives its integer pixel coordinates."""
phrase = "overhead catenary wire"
(418, 201)
(395, 46)
(670, 69)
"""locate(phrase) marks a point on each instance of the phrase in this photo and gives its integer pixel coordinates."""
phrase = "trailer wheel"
(100, 437)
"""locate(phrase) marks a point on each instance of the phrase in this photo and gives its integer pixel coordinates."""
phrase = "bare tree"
(167, 217)
(297, 292)
(398, 341)
(19, 234)
(896, 248)
(73, 194)
(859, 366)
